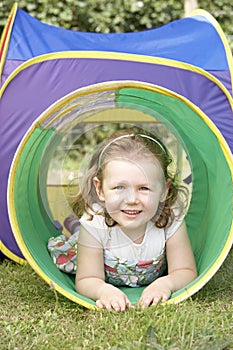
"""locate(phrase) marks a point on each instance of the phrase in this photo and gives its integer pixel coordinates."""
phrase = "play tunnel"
(209, 217)
(55, 81)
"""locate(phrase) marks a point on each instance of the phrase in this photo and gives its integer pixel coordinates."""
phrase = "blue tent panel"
(181, 40)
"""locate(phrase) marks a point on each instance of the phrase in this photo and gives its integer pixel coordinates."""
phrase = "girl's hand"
(113, 298)
(156, 291)
(181, 269)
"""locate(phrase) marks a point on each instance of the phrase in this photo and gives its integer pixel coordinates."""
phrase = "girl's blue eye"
(144, 188)
(119, 187)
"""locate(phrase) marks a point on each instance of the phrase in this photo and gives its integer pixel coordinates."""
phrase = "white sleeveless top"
(126, 262)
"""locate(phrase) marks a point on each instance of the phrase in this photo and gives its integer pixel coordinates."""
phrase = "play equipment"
(54, 80)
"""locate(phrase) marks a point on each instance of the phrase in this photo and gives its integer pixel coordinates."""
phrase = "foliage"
(116, 15)
(79, 143)
(100, 16)
(221, 10)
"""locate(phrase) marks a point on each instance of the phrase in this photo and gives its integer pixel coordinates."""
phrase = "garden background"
(32, 314)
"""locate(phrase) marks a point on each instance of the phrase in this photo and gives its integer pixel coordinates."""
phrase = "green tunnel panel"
(209, 217)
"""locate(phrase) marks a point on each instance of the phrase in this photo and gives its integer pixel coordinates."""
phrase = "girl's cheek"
(116, 195)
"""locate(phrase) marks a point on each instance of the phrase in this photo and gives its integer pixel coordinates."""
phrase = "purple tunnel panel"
(9, 67)
(223, 76)
(26, 98)
(54, 79)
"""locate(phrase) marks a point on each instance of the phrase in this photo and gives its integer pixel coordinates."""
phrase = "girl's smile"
(131, 213)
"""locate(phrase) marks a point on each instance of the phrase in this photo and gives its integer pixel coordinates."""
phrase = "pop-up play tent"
(53, 79)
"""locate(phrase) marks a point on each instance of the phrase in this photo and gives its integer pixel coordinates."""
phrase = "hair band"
(130, 135)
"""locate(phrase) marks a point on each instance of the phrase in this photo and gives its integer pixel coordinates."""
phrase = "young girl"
(132, 224)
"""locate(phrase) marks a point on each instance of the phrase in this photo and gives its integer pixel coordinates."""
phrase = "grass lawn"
(32, 316)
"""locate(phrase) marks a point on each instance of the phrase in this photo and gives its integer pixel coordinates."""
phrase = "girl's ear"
(98, 188)
(165, 192)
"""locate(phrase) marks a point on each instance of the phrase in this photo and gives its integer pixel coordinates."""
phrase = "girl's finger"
(117, 306)
(129, 304)
(146, 301)
(156, 300)
(103, 305)
(99, 304)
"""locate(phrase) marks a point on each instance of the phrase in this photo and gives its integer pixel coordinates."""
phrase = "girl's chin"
(132, 226)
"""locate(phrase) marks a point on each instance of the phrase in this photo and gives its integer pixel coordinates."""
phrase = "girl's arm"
(181, 269)
(90, 275)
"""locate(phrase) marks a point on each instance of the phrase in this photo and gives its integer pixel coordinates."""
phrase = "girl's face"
(131, 192)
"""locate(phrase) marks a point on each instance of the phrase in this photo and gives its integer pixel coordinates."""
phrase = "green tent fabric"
(209, 218)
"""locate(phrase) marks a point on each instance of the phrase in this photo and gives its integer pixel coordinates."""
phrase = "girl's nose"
(131, 197)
